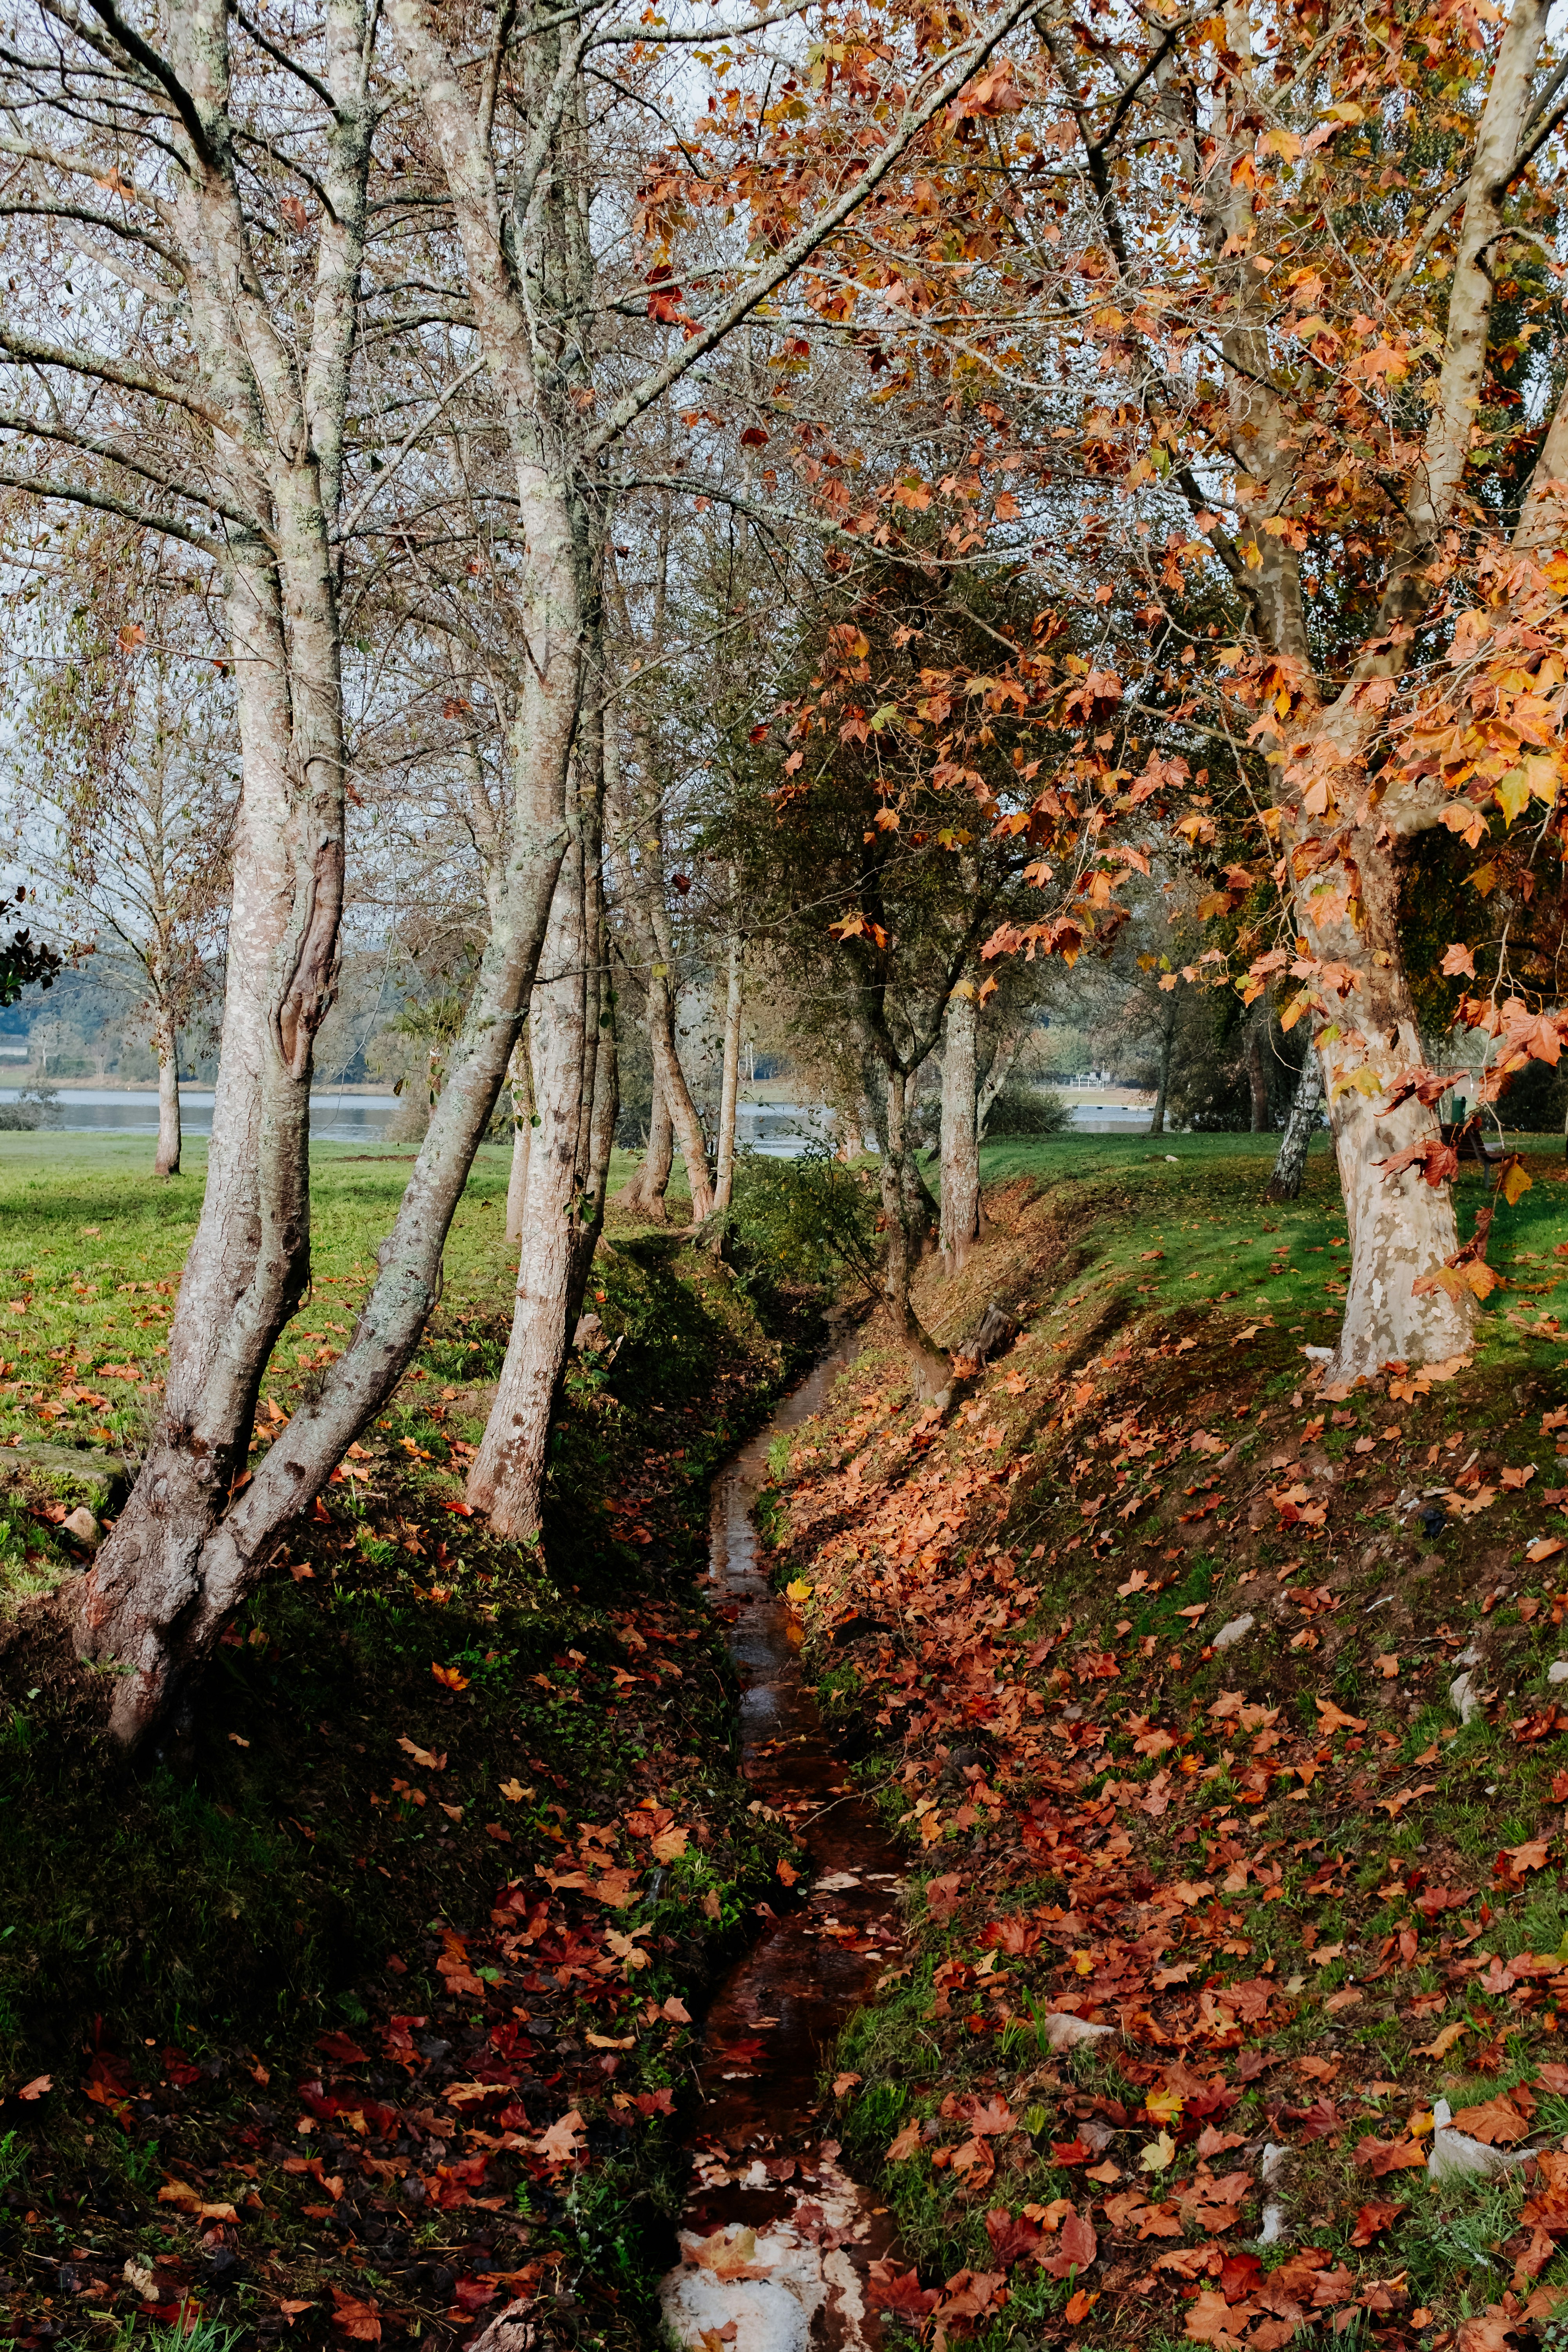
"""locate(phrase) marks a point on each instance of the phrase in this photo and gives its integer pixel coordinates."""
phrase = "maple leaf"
(1210, 2320)
(359, 2319)
(559, 2145)
(900, 2150)
(1371, 2220)
(450, 1677)
(901, 2293)
(727, 2257)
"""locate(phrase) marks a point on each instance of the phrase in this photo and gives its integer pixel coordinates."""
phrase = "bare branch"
(76, 494)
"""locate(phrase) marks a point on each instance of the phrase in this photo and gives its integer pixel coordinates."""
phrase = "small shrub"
(1029, 1110)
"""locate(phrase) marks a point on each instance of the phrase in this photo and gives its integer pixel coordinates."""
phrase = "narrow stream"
(766, 2158)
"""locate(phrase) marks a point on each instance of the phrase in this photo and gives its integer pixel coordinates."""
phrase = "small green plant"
(14, 2155)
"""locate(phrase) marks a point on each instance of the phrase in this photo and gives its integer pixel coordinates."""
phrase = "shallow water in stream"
(766, 2158)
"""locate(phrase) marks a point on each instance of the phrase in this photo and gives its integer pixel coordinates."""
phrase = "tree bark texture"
(166, 1045)
(1257, 1064)
(507, 1478)
(522, 1137)
(1306, 1112)
(644, 1194)
(960, 1151)
(729, 1084)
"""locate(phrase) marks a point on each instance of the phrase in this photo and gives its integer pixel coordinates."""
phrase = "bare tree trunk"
(167, 1046)
(1400, 1227)
(730, 1090)
(644, 1195)
(1256, 1067)
(1306, 1110)
(522, 1137)
(998, 1070)
(637, 855)
(595, 1175)
(959, 1135)
(928, 1368)
(1162, 1093)
(507, 1474)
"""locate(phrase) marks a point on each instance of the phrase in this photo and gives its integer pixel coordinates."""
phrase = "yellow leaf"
(1515, 1182)
(797, 1591)
(1483, 879)
(1513, 793)
(1163, 2106)
(1160, 2154)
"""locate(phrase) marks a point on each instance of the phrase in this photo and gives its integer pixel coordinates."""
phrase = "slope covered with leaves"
(1220, 1714)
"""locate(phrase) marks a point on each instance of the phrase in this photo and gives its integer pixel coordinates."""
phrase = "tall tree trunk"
(959, 1135)
(166, 1043)
(595, 1175)
(507, 1478)
(730, 1089)
(522, 1137)
(1400, 1229)
(1306, 1108)
(1256, 1064)
(644, 1194)
(998, 1070)
(928, 1368)
(1163, 1091)
(638, 856)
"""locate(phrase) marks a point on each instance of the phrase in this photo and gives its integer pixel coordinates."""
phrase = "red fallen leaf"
(1497, 2123)
(900, 2292)
(993, 2121)
(450, 1677)
(36, 2087)
(1553, 2077)
(1239, 2273)
(1373, 2221)
(1075, 2248)
(291, 2307)
(455, 1503)
(1383, 2156)
(970, 2294)
(1011, 2240)
(360, 2320)
(473, 2294)
(655, 2102)
(339, 2046)
(1082, 2303)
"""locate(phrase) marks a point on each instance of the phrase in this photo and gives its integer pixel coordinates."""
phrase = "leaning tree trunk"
(507, 1479)
(522, 1137)
(649, 1180)
(167, 1046)
(729, 1088)
(959, 1135)
(1306, 1110)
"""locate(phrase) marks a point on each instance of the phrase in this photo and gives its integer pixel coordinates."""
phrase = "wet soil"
(766, 2159)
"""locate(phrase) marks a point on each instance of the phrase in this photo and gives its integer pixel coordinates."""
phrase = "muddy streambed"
(766, 2161)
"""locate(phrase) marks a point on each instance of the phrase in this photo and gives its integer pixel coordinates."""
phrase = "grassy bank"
(365, 2002)
(1149, 1650)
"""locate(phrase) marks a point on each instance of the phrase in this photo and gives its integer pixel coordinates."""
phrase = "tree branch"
(16, 421)
(106, 504)
(801, 248)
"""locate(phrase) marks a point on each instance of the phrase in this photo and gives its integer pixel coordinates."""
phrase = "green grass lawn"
(92, 1247)
(1198, 1229)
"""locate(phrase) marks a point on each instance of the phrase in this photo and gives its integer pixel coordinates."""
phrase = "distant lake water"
(87, 1110)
